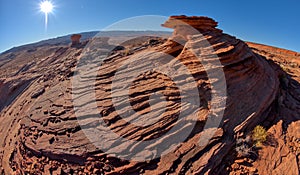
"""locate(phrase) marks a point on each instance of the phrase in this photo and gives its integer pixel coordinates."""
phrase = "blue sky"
(273, 23)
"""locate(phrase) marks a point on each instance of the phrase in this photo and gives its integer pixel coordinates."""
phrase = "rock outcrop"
(75, 38)
(184, 26)
(197, 22)
(280, 158)
(43, 133)
(244, 71)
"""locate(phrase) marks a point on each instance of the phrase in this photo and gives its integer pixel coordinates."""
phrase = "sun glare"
(46, 6)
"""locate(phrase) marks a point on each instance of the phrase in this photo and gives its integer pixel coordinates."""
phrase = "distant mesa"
(75, 38)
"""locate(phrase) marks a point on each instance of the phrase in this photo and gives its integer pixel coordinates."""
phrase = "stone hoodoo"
(184, 25)
(75, 38)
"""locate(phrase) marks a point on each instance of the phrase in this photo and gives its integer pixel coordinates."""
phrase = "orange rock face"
(283, 156)
(198, 22)
(75, 38)
(184, 25)
(43, 133)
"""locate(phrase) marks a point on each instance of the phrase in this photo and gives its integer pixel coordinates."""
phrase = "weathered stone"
(184, 26)
(75, 38)
(38, 93)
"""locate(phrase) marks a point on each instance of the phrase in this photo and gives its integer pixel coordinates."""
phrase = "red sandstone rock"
(43, 133)
(201, 23)
(279, 159)
(184, 26)
(75, 38)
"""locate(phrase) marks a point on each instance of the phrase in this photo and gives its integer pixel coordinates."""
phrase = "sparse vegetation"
(244, 147)
(259, 135)
(244, 150)
(247, 146)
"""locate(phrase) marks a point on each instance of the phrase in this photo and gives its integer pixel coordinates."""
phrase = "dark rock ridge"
(41, 134)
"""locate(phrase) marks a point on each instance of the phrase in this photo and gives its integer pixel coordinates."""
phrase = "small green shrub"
(259, 135)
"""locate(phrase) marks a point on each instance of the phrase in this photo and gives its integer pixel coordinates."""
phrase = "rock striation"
(184, 25)
(244, 71)
(42, 133)
(197, 22)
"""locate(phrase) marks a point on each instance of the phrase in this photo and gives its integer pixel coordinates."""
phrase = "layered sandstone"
(184, 26)
(43, 133)
(197, 22)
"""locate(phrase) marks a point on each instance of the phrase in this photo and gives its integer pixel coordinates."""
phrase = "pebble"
(239, 161)
(235, 166)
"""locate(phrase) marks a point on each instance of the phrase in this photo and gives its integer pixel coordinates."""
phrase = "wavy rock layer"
(42, 135)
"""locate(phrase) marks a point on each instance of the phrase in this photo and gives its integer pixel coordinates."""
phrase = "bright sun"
(46, 6)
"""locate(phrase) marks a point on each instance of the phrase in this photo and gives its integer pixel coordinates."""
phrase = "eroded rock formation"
(42, 135)
(75, 38)
(184, 26)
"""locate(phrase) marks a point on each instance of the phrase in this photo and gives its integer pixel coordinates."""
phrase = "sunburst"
(46, 7)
